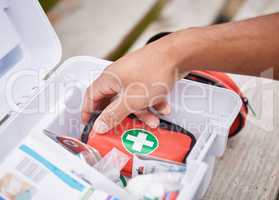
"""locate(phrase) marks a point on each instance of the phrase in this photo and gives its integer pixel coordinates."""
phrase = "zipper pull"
(246, 102)
(252, 109)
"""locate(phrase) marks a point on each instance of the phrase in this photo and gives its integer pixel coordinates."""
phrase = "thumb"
(111, 116)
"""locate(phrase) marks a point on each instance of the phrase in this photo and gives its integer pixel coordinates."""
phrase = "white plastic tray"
(30, 45)
(206, 111)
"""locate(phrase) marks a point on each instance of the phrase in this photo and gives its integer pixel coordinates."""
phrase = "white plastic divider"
(29, 49)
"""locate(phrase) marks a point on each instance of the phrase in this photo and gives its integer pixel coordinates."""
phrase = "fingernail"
(100, 127)
(154, 123)
(166, 110)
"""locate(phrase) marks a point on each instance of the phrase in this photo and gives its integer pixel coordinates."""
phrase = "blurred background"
(108, 29)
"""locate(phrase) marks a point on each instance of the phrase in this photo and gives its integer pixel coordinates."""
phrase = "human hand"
(132, 84)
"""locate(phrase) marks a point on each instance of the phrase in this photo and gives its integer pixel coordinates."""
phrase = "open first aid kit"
(43, 153)
(132, 136)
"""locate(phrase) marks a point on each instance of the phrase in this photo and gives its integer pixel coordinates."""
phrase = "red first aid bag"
(132, 136)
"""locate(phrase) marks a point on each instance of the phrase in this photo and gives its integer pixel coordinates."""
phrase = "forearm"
(246, 47)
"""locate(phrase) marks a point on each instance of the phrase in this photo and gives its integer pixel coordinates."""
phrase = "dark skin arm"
(247, 47)
(143, 78)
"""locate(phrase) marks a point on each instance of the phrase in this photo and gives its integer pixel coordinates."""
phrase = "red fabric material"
(172, 145)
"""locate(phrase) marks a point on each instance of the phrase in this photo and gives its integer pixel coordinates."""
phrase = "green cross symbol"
(139, 141)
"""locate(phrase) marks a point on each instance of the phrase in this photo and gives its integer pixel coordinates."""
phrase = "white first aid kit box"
(37, 93)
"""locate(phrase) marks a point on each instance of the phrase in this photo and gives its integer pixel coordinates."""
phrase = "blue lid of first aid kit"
(29, 48)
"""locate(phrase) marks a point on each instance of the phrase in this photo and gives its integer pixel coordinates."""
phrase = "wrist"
(184, 49)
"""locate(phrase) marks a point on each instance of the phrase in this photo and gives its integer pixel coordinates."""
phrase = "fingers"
(163, 108)
(98, 97)
(148, 118)
(89, 108)
(111, 116)
(117, 110)
(99, 94)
